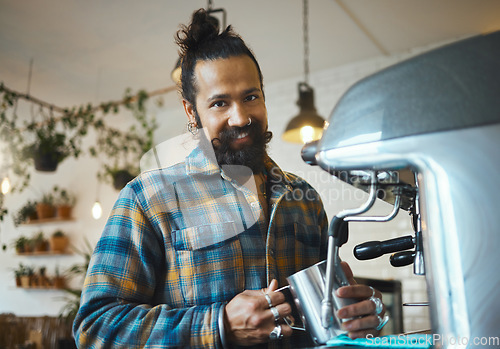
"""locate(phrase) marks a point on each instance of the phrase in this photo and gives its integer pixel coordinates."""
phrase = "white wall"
(79, 176)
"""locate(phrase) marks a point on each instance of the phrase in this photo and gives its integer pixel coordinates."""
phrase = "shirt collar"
(197, 162)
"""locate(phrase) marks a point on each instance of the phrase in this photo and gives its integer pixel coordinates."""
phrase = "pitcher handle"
(287, 320)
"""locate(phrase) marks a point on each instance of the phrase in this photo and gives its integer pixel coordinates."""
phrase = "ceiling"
(92, 50)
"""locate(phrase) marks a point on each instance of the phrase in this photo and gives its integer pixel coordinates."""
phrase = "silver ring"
(382, 322)
(276, 314)
(373, 292)
(268, 299)
(379, 306)
(276, 333)
(249, 121)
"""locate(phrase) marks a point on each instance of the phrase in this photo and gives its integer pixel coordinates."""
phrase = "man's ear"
(189, 109)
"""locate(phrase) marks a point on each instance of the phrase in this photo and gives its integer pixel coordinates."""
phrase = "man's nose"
(239, 116)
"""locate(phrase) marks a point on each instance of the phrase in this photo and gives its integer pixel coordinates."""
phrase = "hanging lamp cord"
(305, 14)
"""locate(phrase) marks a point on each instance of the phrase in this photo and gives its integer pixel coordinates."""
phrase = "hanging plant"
(124, 149)
(49, 147)
(45, 141)
(48, 140)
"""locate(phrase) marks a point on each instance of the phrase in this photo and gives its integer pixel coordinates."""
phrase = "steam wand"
(338, 235)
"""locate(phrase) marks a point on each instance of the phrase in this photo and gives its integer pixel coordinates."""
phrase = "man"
(191, 254)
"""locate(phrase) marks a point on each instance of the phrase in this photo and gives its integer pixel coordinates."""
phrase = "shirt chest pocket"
(209, 262)
(307, 244)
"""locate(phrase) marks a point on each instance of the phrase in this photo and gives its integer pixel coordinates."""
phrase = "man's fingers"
(357, 291)
(273, 286)
(367, 323)
(362, 308)
(348, 273)
(283, 309)
(275, 297)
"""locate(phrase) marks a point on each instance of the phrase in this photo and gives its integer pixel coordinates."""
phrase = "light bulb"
(5, 185)
(307, 134)
(97, 210)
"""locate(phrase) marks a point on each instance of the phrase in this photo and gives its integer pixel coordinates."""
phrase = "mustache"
(230, 133)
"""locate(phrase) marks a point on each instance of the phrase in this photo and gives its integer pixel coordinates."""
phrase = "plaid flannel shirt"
(171, 255)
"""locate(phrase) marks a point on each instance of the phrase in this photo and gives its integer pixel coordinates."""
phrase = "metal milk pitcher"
(308, 287)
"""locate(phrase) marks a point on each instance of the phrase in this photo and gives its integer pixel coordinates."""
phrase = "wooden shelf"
(43, 253)
(48, 220)
(39, 288)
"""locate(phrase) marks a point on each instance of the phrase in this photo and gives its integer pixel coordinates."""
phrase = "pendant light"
(307, 126)
(5, 185)
(97, 210)
(97, 207)
(176, 72)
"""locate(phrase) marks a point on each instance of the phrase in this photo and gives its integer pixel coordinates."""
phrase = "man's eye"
(251, 98)
(218, 104)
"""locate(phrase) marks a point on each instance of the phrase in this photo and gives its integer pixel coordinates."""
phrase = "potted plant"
(40, 244)
(59, 280)
(43, 280)
(26, 277)
(59, 242)
(64, 202)
(26, 213)
(22, 245)
(45, 207)
(49, 147)
(19, 272)
(124, 149)
(121, 176)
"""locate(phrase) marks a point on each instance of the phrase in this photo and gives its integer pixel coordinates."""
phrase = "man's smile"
(242, 135)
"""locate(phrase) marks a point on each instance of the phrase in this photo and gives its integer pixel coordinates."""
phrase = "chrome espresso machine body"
(436, 116)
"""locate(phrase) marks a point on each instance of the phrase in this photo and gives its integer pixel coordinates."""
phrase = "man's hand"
(249, 320)
(365, 319)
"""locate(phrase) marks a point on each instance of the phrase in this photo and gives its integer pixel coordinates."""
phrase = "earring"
(249, 121)
(191, 126)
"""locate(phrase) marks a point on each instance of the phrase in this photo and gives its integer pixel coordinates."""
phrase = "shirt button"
(272, 252)
(255, 204)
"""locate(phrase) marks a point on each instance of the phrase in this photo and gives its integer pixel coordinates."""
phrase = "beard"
(252, 156)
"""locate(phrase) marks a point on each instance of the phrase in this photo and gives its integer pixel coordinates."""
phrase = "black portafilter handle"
(402, 259)
(374, 249)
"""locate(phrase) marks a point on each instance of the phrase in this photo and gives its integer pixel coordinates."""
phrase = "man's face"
(229, 97)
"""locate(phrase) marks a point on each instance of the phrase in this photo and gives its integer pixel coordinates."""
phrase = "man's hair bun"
(203, 29)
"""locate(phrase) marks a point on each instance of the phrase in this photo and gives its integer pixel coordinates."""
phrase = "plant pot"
(32, 217)
(46, 162)
(121, 178)
(59, 282)
(41, 246)
(59, 243)
(25, 281)
(64, 211)
(18, 281)
(45, 210)
(35, 281)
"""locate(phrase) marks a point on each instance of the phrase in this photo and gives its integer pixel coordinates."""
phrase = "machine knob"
(309, 151)
(402, 259)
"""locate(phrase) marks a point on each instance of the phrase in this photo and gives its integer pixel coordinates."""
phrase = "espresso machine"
(424, 135)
